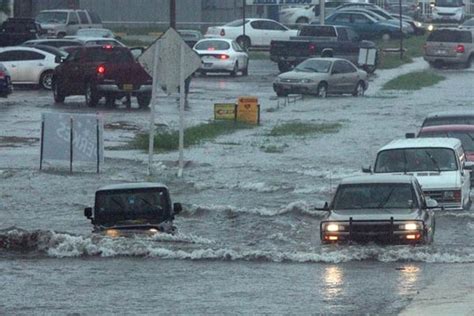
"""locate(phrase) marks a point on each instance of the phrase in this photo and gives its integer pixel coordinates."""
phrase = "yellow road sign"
(224, 111)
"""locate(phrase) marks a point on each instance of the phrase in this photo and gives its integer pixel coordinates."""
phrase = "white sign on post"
(169, 60)
(72, 137)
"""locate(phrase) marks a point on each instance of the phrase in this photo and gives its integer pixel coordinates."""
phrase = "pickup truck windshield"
(375, 195)
(314, 66)
(52, 17)
(415, 160)
(324, 31)
(448, 3)
(131, 204)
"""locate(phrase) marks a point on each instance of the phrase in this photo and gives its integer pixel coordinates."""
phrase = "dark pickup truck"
(15, 31)
(102, 71)
(319, 41)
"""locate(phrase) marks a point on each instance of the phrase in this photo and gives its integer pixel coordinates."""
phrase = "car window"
(26, 55)
(314, 65)
(12, 55)
(273, 26)
(446, 120)
(346, 67)
(83, 17)
(450, 36)
(74, 55)
(338, 67)
(360, 19)
(466, 138)
(236, 23)
(100, 54)
(258, 25)
(353, 36)
(73, 18)
(342, 18)
(415, 160)
(342, 34)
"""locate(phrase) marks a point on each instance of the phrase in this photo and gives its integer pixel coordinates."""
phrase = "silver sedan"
(322, 76)
(222, 55)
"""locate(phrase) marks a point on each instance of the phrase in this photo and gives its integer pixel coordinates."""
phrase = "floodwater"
(248, 238)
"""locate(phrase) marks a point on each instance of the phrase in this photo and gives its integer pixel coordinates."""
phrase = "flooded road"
(248, 238)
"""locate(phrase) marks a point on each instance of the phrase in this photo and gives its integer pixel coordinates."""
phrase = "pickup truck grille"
(370, 228)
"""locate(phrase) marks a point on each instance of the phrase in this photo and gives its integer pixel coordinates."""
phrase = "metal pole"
(322, 12)
(97, 138)
(173, 14)
(71, 146)
(152, 109)
(181, 112)
(42, 142)
(244, 8)
(401, 29)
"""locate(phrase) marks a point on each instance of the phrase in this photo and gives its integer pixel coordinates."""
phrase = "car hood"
(432, 180)
(302, 75)
(375, 214)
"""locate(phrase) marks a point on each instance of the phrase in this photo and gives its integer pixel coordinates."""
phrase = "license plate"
(207, 65)
(441, 52)
(128, 87)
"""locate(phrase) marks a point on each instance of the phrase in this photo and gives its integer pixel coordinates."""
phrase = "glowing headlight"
(153, 230)
(411, 226)
(430, 27)
(418, 24)
(332, 228)
(112, 233)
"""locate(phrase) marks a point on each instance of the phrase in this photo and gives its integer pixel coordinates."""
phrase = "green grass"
(413, 81)
(300, 128)
(167, 140)
(258, 55)
(390, 60)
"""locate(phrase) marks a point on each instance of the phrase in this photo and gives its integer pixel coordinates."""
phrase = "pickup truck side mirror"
(367, 169)
(177, 208)
(325, 207)
(88, 212)
(430, 203)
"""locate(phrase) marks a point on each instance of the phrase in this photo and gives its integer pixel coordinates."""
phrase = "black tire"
(302, 20)
(369, 68)
(281, 93)
(359, 89)
(283, 66)
(234, 71)
(46, 80)
(90, 93)
(438, 64)
(244, 42)
(322, 90)
(143, 100)
(58, 95)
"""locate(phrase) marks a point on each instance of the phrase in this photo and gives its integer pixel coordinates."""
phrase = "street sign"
(248, 110)
(169, 65)
(224, 111)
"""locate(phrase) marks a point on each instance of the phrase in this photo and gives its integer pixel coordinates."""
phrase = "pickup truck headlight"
(333, 227)
(411, 226)
(418, 24)
(112, 233)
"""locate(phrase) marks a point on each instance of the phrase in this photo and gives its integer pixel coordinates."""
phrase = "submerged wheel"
(359, 89)
(57, 93)
(322, 90)
(46, 80)
(234, 71)
(92, 98)
(143, 100)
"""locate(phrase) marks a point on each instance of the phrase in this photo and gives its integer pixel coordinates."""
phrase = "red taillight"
(222, 32)
(100, 70)
(460, 49)
(223, 56)
(108, 46)
(457, 195)
(312, 48)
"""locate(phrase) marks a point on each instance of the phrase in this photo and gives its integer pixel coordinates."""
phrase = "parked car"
(58, 43)
(322, 76)
(57, 52)
(96, 32)
(419, 28)
(409, 7)
(28, 65)
(92, 41)
(131, 208)
(191, 37)
(379, 208)
(448, 11)
(320, 41)
(15, 31)
(366, 26)
(5, 82)
(102, 71)
(307, 14)
(258, 32)
(449, 118)
(222, 55)
(449, 46)
(437, 163)
(59, 23)
(468, 24)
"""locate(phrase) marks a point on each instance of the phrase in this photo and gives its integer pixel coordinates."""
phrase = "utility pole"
(173, 14)
(401, 28)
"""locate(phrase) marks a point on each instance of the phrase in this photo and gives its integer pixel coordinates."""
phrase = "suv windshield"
(374, 195)
(416, 159)
(448, 3)
(122, 205)
(52, 17)
(100, 54)
(450, 36)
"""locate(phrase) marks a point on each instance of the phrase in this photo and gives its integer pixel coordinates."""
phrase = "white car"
(439, 164)
(448, 10)
(258, 32)
(28, 65)
(218, 55)
(380, 208)
(307, 14)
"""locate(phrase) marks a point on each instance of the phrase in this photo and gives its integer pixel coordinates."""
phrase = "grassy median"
(168, 140)
(413, 81)
(301, 129)
(412, 45)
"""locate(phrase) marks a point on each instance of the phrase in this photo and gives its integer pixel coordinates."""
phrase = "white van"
(59, 23)
(448, 11)
(437, 163)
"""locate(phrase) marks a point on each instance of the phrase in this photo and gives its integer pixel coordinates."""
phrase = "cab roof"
(448, 128)
(450, 114)
(131, 186)
(378, 178)
(437, 142)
